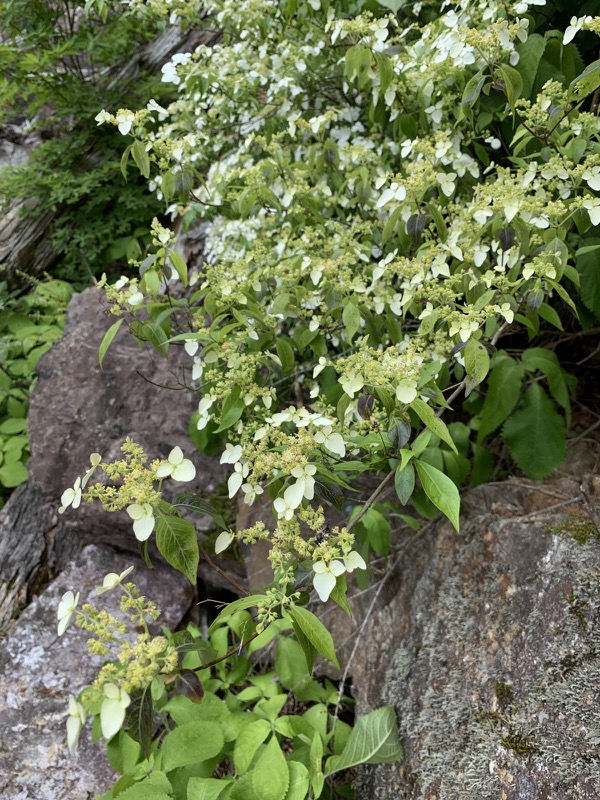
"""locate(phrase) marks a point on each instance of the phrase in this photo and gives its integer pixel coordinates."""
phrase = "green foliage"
(232, 731)
(29, 325)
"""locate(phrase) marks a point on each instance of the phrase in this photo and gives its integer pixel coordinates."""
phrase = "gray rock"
(38, 671)
(488, 644)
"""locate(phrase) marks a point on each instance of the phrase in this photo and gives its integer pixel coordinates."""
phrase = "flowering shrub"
(391, 189)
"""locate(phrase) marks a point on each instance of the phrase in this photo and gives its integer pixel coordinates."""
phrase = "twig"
(544, 510)
(371, 499)
(235, 650)
(218, 569)
(585, 433)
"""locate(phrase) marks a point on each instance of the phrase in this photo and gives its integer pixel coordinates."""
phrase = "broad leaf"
(191, 744)
(314, 630)
(404, 482)
(440, 490)
(177, 541)
(271, 776)
(374, 740)
(233, 408)
(237, 605)
(139, 718)
(477, 364)
(206, 788)
(247, 743)
(141, 158)
(503, 392)
(535, 434)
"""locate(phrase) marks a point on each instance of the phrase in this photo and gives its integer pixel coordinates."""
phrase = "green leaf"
(144, 791)
(530, 54)
(549, 314)
(339, 594)
(513, 83)
(139, 718)
(238, 605)
(177, 542)
(351, 317)
(477, 364)
(179, 265)
(233, 408)
(393, 5)
(13, 474)
(472, 91)
(123, 752)
(316, 633)
(124, 161)
(191, 744)
(431, 421)
(290, 663)
(374, 740)
(404, 482)
(206, 788)
(141, 158)
(317, 777)
(108, 338)
(299, 781)
(271, 776)
(535, 434)
(440, 490)
(285, 351)
(249, 739)
(546, 361)
(587, 82)
(503, 392)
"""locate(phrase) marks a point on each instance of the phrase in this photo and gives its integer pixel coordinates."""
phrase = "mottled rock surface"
(38, 671)
(488, 644)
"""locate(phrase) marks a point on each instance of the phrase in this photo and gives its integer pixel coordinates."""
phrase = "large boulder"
(77, 408)
(487, 642)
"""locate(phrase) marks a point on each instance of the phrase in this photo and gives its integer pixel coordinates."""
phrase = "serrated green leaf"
(108, 338)
(316, 633)
(530, 54)
(247, 743)
(535, 434)
(440, 490)
(299, 781)
(177, 542)
(139, 718)
(339, 594)
(546, 361)
(191, 744)
(513, 83)
(206, 788)
(503, 392)
(271, 776)
(374, 740)
(431, 421)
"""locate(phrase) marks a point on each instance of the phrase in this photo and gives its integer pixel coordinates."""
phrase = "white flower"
(351, 383)
(66, 608)
(446, 182)
(511, 207)
(325, 577)
(333, 442)
(231, 454)
(124, 121)
(191, 346)
(177, 467)
(250, 492)
(112, 711)
(395, 192)
(75, 723)
(354, 561)
(292, 497)
(103, 116)
(71, 497)
(305, 483)
(237, 478)
(406, 391)
(223, 541)
(112, 579)
(143, 520)
(592, 204)
(506, 311)
(197, 369)
(592, 177)
(574, 27)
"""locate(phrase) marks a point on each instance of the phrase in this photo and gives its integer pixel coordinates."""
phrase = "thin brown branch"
(223, 574)
(235, 650)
